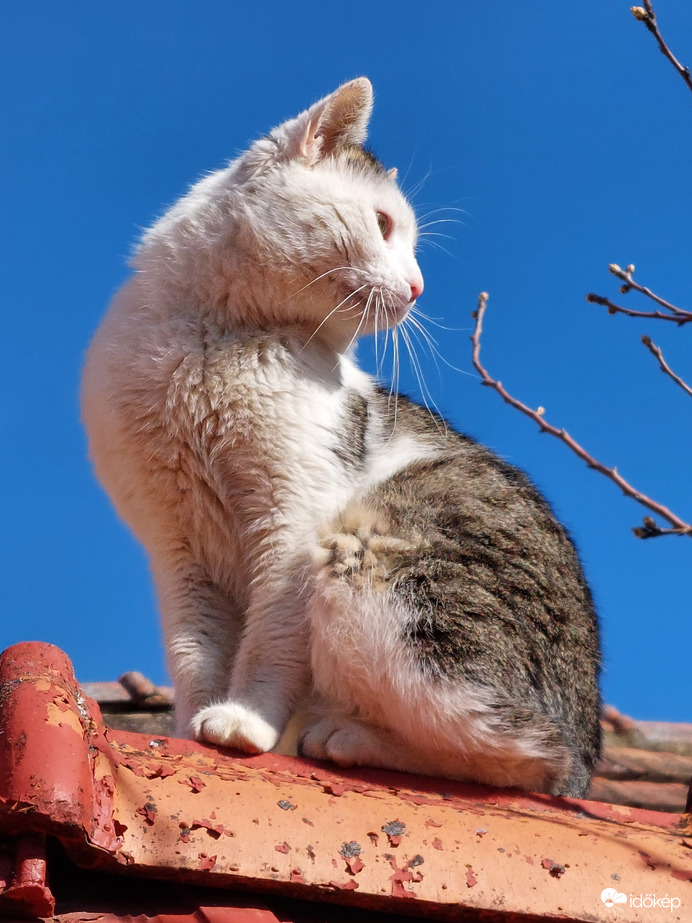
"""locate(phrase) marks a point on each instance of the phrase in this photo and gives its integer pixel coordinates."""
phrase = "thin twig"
(627, 276)
(677, 315)
(649, 529)
(656, 351)
(655, 315)
(647, 15)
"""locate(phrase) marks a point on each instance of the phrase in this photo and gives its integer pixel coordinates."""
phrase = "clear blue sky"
(557, 128)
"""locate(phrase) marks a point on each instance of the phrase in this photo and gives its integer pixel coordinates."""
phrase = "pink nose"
(416, 287)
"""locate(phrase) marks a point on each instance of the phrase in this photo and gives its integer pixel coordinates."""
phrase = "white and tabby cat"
(305, 539)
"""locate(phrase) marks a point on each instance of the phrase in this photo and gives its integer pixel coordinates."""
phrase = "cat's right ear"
(339, 120)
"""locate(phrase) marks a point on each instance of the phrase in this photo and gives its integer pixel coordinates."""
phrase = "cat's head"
(306, 229)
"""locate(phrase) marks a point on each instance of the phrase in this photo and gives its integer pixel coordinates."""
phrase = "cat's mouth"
(389, 309)
(396, 314)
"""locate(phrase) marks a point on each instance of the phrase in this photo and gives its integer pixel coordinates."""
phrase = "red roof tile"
(151, 807)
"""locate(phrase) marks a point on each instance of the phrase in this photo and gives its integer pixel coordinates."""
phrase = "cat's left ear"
(337, 121)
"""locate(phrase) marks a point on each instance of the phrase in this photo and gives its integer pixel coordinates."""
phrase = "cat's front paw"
(232, 725)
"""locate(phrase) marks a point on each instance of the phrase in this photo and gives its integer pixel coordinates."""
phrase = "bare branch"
(679, 316)
(649, 529)
(627, 276)
(656, 351)
(613, 308)
(647, 15)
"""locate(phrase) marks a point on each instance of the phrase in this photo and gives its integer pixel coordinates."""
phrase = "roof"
(98, 822)
(645, 764)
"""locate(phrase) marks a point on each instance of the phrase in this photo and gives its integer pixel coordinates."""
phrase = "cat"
(311, 536)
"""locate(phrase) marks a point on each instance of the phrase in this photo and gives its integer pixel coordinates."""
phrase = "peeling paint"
(349, 885)
(213, 830)
(206, 862)
(63, 718)
(395, 829)
(349, 850)
(555, 869)
(354, 865)
(148, 812)
(400, 878)
(196, 784)
(647, 859)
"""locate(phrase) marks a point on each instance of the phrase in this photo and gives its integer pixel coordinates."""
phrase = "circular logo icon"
(610, 896)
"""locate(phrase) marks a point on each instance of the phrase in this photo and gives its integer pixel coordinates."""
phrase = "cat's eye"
(384, 223)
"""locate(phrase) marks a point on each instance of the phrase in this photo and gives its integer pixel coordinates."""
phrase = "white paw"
(344, 742)
(232, 725)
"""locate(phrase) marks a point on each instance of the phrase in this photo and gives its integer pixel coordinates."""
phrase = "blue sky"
(560, 133)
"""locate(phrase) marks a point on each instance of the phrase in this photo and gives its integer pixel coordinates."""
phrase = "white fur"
(214, 396)
(381, 710)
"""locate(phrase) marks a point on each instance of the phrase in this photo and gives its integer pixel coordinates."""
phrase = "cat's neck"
(249, 309)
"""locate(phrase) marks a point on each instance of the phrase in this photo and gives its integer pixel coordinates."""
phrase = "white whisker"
(317, 279)
(431, 224)
(414, 190)
(426, 396)
(358, 329)
(443, 208)
(331, 313)
(435, 321)
(432, 343)
(434, 243)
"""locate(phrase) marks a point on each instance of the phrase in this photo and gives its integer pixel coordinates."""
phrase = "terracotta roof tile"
(657, 756)
(90, 810)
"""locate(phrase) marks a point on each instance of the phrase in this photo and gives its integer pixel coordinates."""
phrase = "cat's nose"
(416, 287)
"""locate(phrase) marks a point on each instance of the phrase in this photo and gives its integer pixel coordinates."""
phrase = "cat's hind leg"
(390, 707)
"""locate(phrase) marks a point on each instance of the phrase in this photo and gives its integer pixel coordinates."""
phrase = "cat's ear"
(338, 120)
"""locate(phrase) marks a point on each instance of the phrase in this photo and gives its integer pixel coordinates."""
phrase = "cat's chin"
(388, 318)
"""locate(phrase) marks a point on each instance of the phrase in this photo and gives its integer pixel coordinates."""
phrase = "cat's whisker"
(431, 224)
(394, 387)
(414, 321)
(428, 318)
(318, 278)
(427, 397)
(436, 234)
(356, 334)
(443, 208)
(376, 333)
(416, 331)
(431, 342)
(388, 338)
(381, 333)
(416, 188)
(434, 243)
(331, 313)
